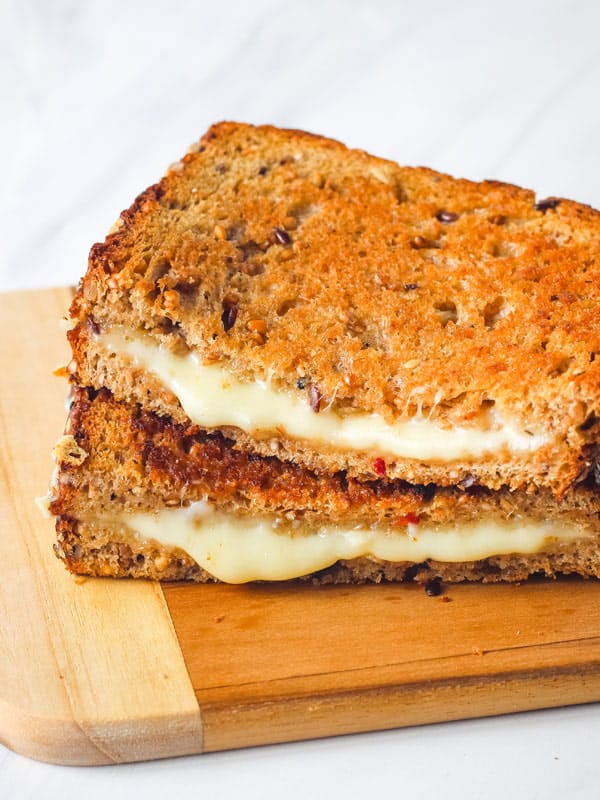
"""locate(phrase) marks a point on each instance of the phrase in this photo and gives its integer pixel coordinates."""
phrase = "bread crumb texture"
(139, 461)
(388, 289)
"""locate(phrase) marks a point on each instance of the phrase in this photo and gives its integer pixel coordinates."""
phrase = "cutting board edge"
(47, 739)
(232, 725)
(69, 742)
(66, 742)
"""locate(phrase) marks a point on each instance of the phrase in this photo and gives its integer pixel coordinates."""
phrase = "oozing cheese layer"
(214, 398)
(238, 549)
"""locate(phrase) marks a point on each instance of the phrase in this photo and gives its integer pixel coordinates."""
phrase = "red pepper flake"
(379, 466)
(314, 398)
(408, 519)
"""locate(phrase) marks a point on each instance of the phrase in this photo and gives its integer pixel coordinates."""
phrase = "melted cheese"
(214, 398)
(238, 549)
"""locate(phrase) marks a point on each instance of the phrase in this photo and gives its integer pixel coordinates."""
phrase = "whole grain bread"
(119, 458)
(387, 289)
(114, 456)
(88, 549)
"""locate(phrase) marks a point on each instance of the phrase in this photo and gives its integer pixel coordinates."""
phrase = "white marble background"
(97, 98)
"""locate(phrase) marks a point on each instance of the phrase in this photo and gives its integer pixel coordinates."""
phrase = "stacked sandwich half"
(292, 359)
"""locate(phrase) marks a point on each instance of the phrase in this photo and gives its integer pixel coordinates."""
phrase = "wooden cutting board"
(96, 671)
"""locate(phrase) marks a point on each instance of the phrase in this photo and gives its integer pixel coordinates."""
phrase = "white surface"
(535, 756)
(97, 98)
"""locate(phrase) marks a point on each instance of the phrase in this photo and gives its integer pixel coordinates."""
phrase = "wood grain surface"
(91, 671)
(98, 671)
(277, 663)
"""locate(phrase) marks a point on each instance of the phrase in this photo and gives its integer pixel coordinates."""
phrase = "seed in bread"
(291, 359)
(170, 501)
(448, 328)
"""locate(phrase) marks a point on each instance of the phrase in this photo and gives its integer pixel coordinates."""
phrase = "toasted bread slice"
(141, 495)
(346, 313)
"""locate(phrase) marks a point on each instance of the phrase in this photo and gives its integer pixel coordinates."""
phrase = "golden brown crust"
(390, 289)
(135, 460)
(386, 289)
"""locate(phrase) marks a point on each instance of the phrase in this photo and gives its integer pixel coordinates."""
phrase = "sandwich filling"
(238, 549)
(213, 397)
